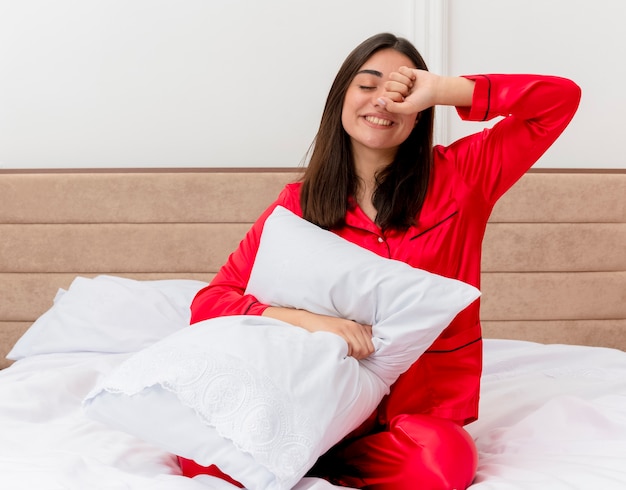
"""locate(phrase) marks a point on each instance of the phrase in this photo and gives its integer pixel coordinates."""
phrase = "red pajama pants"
(415, 452)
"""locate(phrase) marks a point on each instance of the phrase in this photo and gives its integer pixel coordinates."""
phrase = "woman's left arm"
(535, 111)
(410, 91)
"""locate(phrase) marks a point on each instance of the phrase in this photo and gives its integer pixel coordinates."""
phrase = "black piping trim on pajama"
(488, 97)
(434, 226)
(455, 349)
(249, 306)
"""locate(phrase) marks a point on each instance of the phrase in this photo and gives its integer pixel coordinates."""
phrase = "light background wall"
(227, 83)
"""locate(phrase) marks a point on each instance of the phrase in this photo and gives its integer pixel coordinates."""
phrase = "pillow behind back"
(109, 314)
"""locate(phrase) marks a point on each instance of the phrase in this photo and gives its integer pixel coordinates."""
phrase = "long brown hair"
(330, 177)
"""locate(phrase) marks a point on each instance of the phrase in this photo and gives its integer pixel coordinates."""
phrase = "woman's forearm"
(454, 91)
(357, 336)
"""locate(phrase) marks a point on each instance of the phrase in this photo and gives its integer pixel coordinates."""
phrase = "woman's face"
(367, 122)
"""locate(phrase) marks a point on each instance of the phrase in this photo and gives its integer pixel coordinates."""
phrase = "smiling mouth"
(378, 121)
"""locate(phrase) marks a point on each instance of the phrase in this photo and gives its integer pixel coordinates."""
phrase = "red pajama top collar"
(467, 179)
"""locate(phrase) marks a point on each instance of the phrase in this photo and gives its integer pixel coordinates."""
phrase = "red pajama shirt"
(467, 179)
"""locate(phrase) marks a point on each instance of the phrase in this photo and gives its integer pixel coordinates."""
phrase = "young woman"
(375, 179)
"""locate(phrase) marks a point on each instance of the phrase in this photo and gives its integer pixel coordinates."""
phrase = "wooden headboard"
(554, 258)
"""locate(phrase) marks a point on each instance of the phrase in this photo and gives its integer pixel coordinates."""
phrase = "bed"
(86, 256)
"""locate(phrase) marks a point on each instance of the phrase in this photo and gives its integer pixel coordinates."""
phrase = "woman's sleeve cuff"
(481, 100)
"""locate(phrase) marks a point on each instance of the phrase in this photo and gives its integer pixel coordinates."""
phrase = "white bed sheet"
(46, 443)
(552, 417)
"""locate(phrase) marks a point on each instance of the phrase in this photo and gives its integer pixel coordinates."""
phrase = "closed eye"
(366, 87)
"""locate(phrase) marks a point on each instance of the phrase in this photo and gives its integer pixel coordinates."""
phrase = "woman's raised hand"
(410, 91)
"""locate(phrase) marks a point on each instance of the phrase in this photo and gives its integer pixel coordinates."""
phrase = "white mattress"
(552, 417)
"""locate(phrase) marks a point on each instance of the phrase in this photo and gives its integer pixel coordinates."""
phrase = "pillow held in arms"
(262, 399)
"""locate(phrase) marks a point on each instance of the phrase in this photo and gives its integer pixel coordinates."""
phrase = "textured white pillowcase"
(262, 399)
(109, 314)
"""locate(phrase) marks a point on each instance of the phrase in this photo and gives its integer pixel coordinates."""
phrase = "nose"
(377, 100)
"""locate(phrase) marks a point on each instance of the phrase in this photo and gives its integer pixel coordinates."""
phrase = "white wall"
(150, 83)
(580, 39)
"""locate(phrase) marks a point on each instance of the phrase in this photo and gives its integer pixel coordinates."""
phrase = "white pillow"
(302, 266)
(109, 314)
(262, 399)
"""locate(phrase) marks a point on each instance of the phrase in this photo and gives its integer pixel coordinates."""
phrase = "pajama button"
(380, 239)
